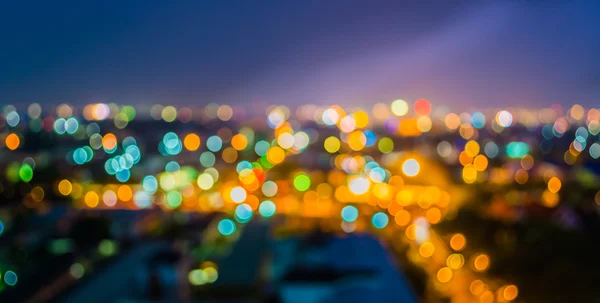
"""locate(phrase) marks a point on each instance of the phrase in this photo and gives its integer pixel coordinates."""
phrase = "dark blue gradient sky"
(460, 54)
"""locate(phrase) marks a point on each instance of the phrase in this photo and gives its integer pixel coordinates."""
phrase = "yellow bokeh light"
(191, 142)
(510, 292)
(402, 217)
(331, 144)
(65, 187)
(477, 287)
(433, 215)
(550, 199)
(444, 274)
(239, 142)
(275, 155)
(426, 249)
(480, 162)
(481, 262)
(109, 141)
(455, 261)
(124, 193)
(91, 199)
(361, 119)
(357, 140)
(554, 185)
(472, 148)
(458, 242)
(12, 141)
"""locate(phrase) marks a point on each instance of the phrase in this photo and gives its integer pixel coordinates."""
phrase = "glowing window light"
(359, 185)
(302, 182)
(207, 159)
(380, 220)
(267, 208)
(238, 194)
(12, 141)
(411, 167)
(349, 213)
(214, 143)
(226, 227)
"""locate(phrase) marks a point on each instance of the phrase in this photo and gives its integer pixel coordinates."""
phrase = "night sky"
(462, 54)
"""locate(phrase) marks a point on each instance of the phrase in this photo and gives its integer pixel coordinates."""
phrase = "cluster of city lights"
(393, 167)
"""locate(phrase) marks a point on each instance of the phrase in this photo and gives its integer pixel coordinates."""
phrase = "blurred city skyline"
(460, 55)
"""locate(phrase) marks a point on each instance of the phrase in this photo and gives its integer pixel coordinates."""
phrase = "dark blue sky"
(460, 54)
